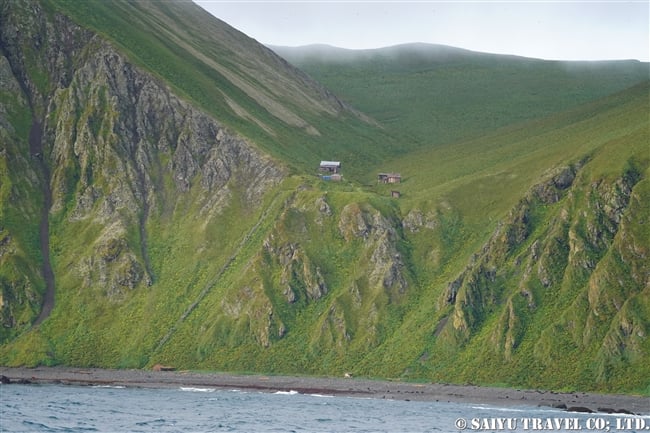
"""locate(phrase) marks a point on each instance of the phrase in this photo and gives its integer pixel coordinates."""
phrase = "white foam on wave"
(291, 392)
(191, 389)
(110, 386)
(513, 409)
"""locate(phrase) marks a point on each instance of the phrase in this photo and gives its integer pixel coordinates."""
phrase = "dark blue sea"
(61, 408)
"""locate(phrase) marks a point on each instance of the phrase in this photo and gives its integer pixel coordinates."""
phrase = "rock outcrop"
(575, 258)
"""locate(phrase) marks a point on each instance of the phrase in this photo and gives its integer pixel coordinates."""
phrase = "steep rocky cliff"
(322, 285)
(108, 148)
(564, 276)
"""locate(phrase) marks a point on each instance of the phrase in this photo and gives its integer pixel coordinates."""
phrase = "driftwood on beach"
(159, 367)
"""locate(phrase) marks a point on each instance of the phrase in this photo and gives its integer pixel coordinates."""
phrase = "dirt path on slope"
(213, 281)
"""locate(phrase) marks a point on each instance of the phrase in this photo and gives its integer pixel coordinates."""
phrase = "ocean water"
(61, 408)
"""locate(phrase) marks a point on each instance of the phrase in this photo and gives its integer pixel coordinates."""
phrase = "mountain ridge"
(257, 93)
(439, 94)
(319, 48)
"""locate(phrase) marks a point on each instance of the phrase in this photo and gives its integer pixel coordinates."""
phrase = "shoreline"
(344, 387)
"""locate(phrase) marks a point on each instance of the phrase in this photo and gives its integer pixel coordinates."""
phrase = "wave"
(292, 392)
(526, 409)
(191, 389)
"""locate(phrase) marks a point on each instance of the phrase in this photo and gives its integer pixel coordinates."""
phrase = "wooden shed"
(330, 167)
(389, 178)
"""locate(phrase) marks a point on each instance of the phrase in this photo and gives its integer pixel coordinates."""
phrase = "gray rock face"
(380, 237)
(416, 220)
(132, 122)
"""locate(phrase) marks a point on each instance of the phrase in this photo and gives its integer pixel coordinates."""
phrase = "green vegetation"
(438, 94)
(21, 282)
(517, 253)
(236, 80)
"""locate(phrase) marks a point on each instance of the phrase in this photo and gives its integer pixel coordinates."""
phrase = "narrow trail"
(36, 152)
(210, 284)
(142, 221)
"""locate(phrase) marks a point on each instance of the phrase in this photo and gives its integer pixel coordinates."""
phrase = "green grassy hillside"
(237, 80)
(352, 280)
(528, 285)
(169, 162)
(439, 94)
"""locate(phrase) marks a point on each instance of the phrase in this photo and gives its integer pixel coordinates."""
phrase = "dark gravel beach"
(352, 387)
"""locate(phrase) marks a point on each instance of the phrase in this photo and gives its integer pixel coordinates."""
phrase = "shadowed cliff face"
(111, 147)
